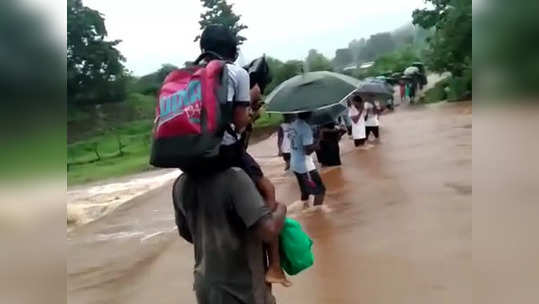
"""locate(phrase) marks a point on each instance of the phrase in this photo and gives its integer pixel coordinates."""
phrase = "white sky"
(162, 31)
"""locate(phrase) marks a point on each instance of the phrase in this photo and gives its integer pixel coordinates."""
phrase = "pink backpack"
(191, 114)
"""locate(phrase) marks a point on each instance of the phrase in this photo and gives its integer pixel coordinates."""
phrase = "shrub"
(460, 88)
(437, 93)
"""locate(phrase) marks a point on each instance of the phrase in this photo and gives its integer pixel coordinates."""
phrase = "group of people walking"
(297, 140)
(360, 120)
(229, 210)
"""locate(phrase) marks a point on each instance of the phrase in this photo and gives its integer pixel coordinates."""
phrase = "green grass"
(84, 167)
(268, 120)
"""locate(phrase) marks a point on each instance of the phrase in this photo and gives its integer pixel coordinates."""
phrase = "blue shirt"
(300, 135)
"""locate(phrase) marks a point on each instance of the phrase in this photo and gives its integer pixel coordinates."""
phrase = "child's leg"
(267, 190)
(275, 274)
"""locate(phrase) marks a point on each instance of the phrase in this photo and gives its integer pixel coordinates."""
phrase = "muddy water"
(398, 228)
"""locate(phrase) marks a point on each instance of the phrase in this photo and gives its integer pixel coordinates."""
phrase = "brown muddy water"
(397, 228)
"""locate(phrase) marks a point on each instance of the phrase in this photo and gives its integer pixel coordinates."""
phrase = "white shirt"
(372, 116)
(309, 163)
(238, 83)
(285, 145)
(358, 128)
(238, 90)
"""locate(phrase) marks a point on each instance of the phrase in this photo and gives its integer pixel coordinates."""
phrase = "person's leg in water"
(376, 132)
(275, 273)
(359, 142)
(320, 190)
(303, 189)
(286, 158)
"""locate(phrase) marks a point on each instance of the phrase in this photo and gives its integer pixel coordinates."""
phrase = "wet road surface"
(398, 228)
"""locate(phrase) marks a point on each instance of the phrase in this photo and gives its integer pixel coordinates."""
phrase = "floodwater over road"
(397, 228)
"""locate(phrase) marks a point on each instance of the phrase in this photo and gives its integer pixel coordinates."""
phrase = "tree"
(450, 48)
(282, 71)
(151, 83)
(393, 62)
(317, 62)
(342, 58)
(356, 46)
(378, 44)
(95, 73)
(220, 12)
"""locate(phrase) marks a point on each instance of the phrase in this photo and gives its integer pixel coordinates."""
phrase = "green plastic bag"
(295, 248)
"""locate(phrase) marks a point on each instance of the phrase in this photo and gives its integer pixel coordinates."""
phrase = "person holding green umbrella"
(304, 94)
(302, 146)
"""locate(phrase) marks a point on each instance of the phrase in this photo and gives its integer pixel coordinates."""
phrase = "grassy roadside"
(125, 150)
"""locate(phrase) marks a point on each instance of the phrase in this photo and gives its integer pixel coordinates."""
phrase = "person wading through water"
(222, 212)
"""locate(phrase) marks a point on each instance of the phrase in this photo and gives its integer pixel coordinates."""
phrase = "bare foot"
(277, 276)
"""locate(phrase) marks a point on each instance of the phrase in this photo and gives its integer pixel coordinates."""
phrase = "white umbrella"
(411, 70)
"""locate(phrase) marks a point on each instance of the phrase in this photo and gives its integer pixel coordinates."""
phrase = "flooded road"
(398, 229)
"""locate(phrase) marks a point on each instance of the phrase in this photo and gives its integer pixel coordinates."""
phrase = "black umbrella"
(259, 72)
(373, 86)
(310, 91)
(327, 115)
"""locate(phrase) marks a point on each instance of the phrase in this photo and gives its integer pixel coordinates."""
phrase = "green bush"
(460, 88)
(143, 105)
(437, 93)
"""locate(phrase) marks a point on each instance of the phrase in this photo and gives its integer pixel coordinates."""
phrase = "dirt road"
(399, 229)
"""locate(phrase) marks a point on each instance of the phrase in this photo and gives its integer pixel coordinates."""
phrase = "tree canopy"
(220, 12)
(95, 73)
(342, 58)
(281, 72)
(317, 62)
(450, 48)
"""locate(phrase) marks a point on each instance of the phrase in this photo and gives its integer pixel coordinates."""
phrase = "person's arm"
(269, 227)
(181, 221)
(355, 118)
(309, 145)
(183, 228)
(267, 189)
(280, 137)
(252, 209)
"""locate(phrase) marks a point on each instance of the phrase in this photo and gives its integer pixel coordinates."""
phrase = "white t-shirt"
(238, 83)
(285, 145)
(358, 128)
(372, 116)
(309, 163)
(238, 90)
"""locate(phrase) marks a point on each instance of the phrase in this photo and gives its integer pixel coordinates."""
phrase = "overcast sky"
(162, 31)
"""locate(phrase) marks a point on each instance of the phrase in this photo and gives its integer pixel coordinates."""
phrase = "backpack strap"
(206, 54)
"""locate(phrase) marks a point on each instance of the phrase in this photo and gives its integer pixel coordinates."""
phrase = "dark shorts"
(236, 156)
(374, 130)
(359, 142)
(286, 157)
(312, 186)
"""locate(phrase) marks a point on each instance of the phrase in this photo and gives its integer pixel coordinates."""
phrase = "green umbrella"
(327, 115)
(310, 91)
(377, 87)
